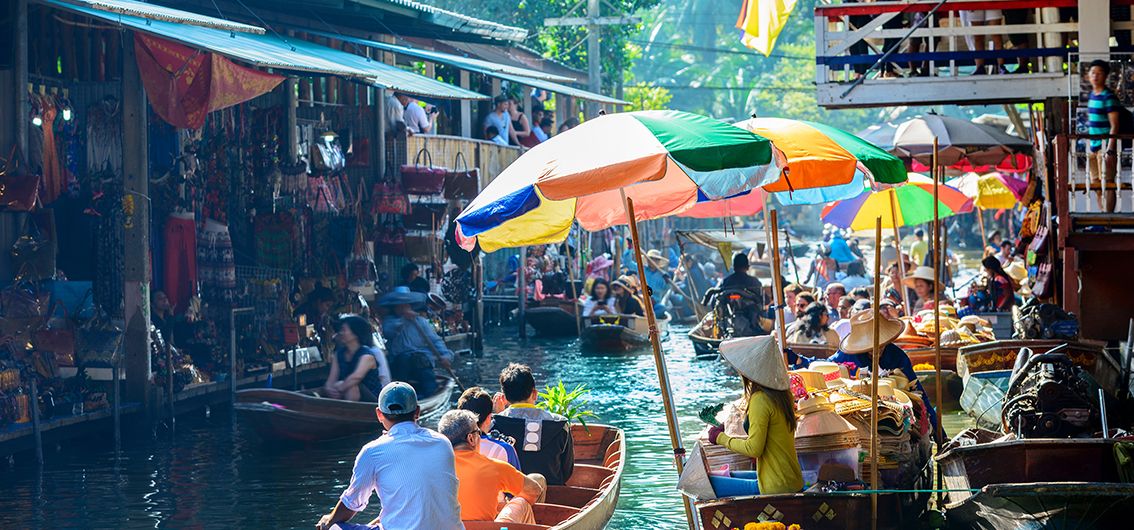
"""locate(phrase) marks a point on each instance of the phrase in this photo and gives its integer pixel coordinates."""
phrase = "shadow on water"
(208, 475)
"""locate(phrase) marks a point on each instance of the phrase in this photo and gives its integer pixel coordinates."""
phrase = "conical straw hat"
(758, 359)
(694, 480)
(861, 336)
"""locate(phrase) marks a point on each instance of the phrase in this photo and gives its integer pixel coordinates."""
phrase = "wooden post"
(291, 135)
(777, 281)
(20, 79)
(659, 359)
(938, 251)
(901, 288)
(466, 107)
(36, 424)
(574, 290)
(522, 291)
(380, 109)
(980, 222)
(136, 204)
(874, 377)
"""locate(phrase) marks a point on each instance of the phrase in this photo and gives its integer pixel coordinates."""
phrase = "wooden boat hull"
(588, 500)
(1047, 505)
(704, 347)
(552, 321)
(609, 337)
(283, 415)
(929, 356)
(813, 511)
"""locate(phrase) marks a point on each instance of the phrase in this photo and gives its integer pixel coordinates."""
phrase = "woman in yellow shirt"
(770, 417)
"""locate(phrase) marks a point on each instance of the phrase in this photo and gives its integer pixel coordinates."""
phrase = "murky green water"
(210, 474)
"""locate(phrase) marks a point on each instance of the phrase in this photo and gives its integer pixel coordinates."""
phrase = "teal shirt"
(1099, 107)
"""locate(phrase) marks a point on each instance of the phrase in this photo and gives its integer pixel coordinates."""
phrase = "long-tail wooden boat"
(813, 511)
(283, 415)
(986, 369)
(621, 333)
(588, 500)
(1037, 483)
(553, 319)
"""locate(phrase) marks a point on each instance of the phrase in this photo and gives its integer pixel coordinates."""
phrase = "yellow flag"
(762, 22)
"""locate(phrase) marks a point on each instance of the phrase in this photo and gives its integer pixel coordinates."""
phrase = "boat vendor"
(814, 327)
(996, 291)
(770, 418)
(411, 468)
(414, 348)
(858, 345)
(921, 281)
(358, 368)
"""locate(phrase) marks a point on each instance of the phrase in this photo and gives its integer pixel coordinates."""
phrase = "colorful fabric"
(185, 84)
(666, 161)
(180, 274)
(1099, 107)
(762, 21)
(992, 191)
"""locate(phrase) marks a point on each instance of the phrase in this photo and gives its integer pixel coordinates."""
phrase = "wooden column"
(380, 108)
(136, 259)
(466, 108)
(560, 111)
(291, 135)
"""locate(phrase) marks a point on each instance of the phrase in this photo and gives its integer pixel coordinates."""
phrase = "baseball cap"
(397, 398)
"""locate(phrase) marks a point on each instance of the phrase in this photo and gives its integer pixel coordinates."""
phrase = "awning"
(271, 51)
(156, 12)
(465, 63)
(457, 21)
(742, 238)
(522, 76)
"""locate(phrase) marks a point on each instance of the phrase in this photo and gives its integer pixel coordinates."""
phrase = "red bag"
(19, 191)
(461, 182)
(423, 179)
(389, 199)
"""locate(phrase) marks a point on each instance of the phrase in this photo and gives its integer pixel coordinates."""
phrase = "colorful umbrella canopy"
(666, 161)
(908, 204)
(957, 140)
(993, 191)
(824, 164)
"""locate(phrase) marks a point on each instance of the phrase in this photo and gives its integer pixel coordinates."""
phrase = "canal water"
(212, 473)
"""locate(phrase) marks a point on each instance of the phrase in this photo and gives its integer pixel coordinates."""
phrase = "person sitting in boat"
(493, 444)
(411, 277)
(414, 348)
(858, 346)
(625, 291)
(740, 279)
(814, 327)
(411, 468)
(997, 292)
(803, 300)
(358, 367)
(543, 438)
(921, 281)
(770, 416)
(600, 301)
(481, 480)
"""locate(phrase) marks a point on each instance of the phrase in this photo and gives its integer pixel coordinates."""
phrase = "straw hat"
(861, 336)
(694, 480)
(758, 359)
(812, 404)
(885, 390)
(922, 273)
(812, 379)
(628, 282)
(834, 375)
(659, 260)
(1017, 271)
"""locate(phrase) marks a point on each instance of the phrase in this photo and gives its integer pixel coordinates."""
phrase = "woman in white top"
(599, 302)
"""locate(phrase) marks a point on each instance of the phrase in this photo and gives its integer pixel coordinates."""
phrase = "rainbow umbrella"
(666, 161)
(908, 204)
(992, 191)
(824, 164)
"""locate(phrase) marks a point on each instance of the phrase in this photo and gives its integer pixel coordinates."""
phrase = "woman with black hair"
(813, 327)
(358, 367)
(999, 292)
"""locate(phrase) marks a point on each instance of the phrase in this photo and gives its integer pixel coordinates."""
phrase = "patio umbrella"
(616, 168)
(908, 204)
(824, 164)
(958, 140)
(992, 191)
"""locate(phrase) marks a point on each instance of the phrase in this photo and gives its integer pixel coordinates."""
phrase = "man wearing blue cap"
(411, 468)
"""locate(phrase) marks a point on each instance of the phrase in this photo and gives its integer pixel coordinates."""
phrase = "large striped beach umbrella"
(666, 161)
(908, 204)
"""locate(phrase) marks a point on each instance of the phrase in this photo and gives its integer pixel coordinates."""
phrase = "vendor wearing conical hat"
(770, 421)
(858, 346)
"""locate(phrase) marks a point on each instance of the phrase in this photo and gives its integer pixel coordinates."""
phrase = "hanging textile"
(184, 84)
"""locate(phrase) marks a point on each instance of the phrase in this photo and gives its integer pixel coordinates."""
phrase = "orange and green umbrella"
(908, 204)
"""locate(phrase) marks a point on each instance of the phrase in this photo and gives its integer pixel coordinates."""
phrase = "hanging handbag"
(1039, 242)
(423, 179)
(57, 337)
(391, 238)
(388, 198)
(461, 182)
(33, 254)
(359, 155)
(72, 298)
(1044, 284)
(22, 299)
(421, 246)
(98, 340)
(425, 216)
(19, 190)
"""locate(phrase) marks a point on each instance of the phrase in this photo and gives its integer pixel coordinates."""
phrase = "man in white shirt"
(417, 120)
(411, 468)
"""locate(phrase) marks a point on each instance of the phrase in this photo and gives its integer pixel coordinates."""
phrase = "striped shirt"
(1099, 107)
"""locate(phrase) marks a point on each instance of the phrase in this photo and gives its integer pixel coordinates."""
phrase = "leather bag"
(19, 190)
(422, 177)
(461, 182)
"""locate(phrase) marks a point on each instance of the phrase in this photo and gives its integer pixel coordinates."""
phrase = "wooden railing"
(1086, 191)
(489, 157)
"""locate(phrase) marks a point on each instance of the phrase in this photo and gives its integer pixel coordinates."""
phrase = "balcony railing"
(489, 157)
(1034, 41)
(1090, 194)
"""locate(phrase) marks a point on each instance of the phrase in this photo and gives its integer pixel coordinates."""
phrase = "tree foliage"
(643, 96)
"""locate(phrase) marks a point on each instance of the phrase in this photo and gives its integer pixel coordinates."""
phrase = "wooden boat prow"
(588, 500)
(624, 332)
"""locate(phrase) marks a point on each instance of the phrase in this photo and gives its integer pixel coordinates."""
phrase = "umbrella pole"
(574, 290)
(937, 285)
(983, 234)
(874, 378)
(772, 219)
(659, 359)
(903, 298)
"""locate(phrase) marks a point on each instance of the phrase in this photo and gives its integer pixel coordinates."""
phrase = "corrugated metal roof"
(459, 22)
(156, 12)
(271, 51)
(465, 63)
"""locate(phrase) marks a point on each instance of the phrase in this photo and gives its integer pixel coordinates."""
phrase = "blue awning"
(156, 12)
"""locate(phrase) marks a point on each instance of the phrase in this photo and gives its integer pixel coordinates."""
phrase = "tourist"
(161, 315)
(985, 17)
(481, 480)
(418, 119)
(568, 124)
(395, 118)
(813, 327)
(543, 129)
(994, 241)
(600, 267)
(600, 301)
(823, 268)
(921, 281)
(544, 439)
(316, 309)
(1006, 254)
(835, 292)
(770, 412)
(493, 444)
(998, 292)
(856, 276)
(521, 127)
(741, 280)
(791, 291)
(411, 278)
(862, 293)
(1104, 116)
(695, 277)
(889, 251)
(500, 119)
(626, 301)
(846, 303)
(919, 248)
(657, 279)
(411, 468)
(492, 134)
(840, 249)
(414, 348)
(359, 369)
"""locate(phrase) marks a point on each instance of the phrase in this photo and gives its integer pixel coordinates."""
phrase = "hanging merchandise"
(422, 246)
(71, 297)
(426, 213)
(104, 137)
(461, 183)
(54, 183)
(362, 273)
(276, 240)
(326, 153)
(180, 267)
(391, 237)
(216, 265)
(33, 253)
(388, 198)
(293, 179)
(359, 155)
(424, 179)
(19, 189)
(57, 337)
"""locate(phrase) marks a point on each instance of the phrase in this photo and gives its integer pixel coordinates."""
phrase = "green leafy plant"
(569, 404)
